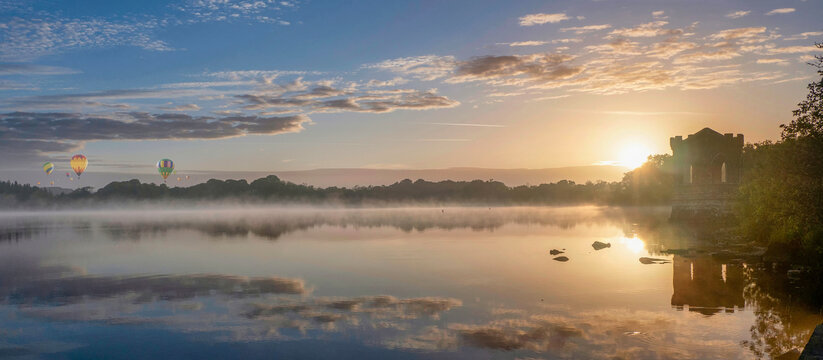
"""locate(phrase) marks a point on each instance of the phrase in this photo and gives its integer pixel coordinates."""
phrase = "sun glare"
(633, 155)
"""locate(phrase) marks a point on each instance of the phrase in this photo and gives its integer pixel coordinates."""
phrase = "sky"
(245, 85)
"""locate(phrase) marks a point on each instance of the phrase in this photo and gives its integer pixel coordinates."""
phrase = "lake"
(406, 283)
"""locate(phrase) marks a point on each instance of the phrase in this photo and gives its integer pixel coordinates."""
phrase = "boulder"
(597, 245)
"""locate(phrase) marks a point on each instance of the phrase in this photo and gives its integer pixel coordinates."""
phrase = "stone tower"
(707, 170)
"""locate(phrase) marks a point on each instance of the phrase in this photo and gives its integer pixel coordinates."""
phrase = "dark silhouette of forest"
(648, 185)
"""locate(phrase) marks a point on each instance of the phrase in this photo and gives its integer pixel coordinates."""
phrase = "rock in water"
(814, 348)
(561, 258)
(597, 245)
(555, 252)
(648, 261)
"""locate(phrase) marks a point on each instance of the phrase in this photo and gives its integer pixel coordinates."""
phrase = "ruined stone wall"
(703, 203)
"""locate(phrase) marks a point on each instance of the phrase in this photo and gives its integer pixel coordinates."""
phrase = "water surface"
(471, 283)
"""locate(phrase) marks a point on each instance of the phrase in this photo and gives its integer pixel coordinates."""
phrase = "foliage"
(649, 184)
(807, 122)
(782, 190)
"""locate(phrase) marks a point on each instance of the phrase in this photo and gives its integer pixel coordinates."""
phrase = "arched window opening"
(723, 173)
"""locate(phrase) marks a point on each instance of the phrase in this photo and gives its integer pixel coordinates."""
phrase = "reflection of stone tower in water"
(706, 285)
(707, 173)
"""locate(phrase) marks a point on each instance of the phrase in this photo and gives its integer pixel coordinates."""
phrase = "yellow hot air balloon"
(79, 164)
(48, 167)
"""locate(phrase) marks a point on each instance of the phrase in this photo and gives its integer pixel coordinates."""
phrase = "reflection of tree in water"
(785, 318)
(276, 224)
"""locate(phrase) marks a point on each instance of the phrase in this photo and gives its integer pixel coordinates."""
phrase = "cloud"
(469, 125)
(528, 43)
(791, 50)
(773, 61)
(544, 67)
(96, 99)
(427, 67)
(739, 33)
(780, 11)
(327, 99)
(32, 69)
(554, 97)
(233, 10)
(586, 29)
(185, 107)
(28, 38)
(737, 14)
(32, 134)
(386, 83)
(540, 18)
(804, 36)
(617, 46)
(651, 29)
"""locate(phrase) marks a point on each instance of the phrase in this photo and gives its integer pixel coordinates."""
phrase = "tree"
(808, 120)
(782, 191)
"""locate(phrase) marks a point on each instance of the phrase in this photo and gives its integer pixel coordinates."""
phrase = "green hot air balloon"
(165, 168)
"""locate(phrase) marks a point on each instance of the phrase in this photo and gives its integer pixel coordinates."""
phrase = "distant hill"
(341, 177)
(510, 177)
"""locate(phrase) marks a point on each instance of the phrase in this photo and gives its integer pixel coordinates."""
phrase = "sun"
(633, 155)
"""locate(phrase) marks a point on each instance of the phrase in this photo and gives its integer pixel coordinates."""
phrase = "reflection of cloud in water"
(22, 282)
(612, 334)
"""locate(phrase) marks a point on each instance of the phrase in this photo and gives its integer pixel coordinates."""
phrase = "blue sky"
(285, 85)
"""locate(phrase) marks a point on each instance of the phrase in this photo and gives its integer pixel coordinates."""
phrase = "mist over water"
(413, 282)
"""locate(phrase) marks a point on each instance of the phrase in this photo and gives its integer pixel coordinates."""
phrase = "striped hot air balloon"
(165, 167)
(79, 164)
(48, 167)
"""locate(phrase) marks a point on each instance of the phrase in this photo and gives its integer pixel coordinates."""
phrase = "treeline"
(781, 196)
(647, 185)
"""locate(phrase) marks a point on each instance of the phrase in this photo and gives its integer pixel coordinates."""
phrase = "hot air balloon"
(165, 168)
(79, 163)
(48, 168)
(51, 182)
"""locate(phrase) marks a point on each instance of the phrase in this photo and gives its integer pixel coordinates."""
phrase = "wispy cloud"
(586, 29)
(327, 99)
(780, 11)
(773, 61)
(33, 69)
(738, 14)
(30, 134)
(528, 43)
(804, 36)
(26, 39)
(234, 10)
(184, 107)
(543, 66)
(542, 18)
(427, 67)
(651, 29)
(467, 124)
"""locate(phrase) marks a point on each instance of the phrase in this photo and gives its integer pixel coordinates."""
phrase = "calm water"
(471, 283)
